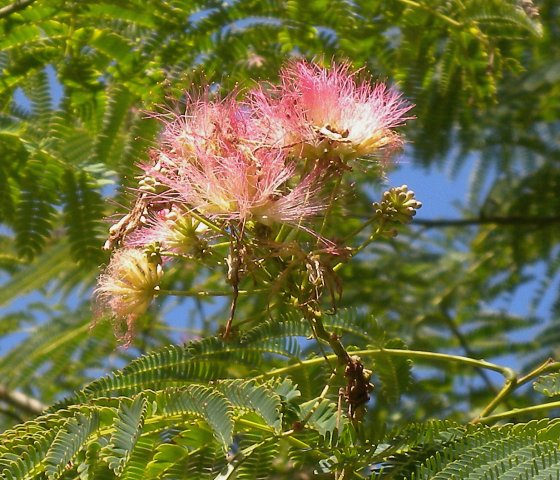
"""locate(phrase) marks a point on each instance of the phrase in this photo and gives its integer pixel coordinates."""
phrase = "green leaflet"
(25, 463)
(69, 440)
(37, 274)
(548, 385)
(205, 402)
(258, 398)
(128, 428)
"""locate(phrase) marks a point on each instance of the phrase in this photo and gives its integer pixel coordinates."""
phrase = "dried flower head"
(126, 288)
(329, 113)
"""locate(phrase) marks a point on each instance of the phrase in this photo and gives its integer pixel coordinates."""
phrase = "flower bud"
(397, 206)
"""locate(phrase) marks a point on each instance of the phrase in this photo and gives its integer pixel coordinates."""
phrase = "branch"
(467, 222)
(420, 355)
(21, 401)
(15, 7)
(517, 411)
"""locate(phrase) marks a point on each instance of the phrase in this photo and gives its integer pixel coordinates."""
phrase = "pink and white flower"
(126, 289)
(213, 161)
(324, 113)
(174, 230)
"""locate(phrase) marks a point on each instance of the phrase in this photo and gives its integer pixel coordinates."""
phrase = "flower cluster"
(328, 113)
(235, 169)
(127, 288)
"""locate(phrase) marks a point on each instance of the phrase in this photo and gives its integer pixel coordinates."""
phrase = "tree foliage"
(76, 82)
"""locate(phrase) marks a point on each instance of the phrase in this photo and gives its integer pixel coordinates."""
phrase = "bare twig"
(516, 220)
(15, 7)
(21, 401)
(467, 222)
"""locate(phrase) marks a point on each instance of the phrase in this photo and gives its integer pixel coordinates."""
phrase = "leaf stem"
(517, 411)
(512, 384)
(360, 247)
(412, 354)
(207, 293)
(440, 15)
(288, 434)
(509, 386)
(549, 365)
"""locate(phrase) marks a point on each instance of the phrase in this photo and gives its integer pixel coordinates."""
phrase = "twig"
(15, 7)
(517, 411)
(516, 220)
(21, 400)
(512, 384)
(412, 354)
(467, 222)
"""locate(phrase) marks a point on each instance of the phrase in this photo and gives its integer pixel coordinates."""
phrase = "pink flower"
(207, 126)
(174, 230)
(319, 112)
(213, 161)
(126, 288)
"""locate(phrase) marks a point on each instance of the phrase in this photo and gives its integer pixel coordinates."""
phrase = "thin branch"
(518, 411)
(454, 23)
(206, 293)
(15, 7)
(21, 401)
(514, 383)
(516, 220)
(506, 372)
(467, 222)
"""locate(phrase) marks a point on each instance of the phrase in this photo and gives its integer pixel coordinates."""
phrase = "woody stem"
(314, 317)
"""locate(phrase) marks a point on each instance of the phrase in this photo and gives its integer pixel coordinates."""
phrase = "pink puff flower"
(212, 160)
(324, 113)
(174, 230)
(208, 126)
(126, 289)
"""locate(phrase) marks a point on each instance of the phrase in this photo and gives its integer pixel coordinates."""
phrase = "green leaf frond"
(210, 358)
(56, 352)
(159, 432)
(521, 451)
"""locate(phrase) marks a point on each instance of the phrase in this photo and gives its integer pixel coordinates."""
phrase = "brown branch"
(467, 222)
(21, 401)
(15, 7)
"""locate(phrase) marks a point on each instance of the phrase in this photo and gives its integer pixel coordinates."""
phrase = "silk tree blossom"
(216, 127)
(321, 113)
(242, 186)
(222, 169)
(126, 289)
(176, 231)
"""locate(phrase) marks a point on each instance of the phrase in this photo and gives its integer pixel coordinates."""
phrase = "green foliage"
(128, 427)
(524, 450)
(76, 79)
(165, 431)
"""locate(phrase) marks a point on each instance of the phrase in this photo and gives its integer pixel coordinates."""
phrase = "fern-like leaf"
(128, 428)
(68, 442)
(208, 403)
